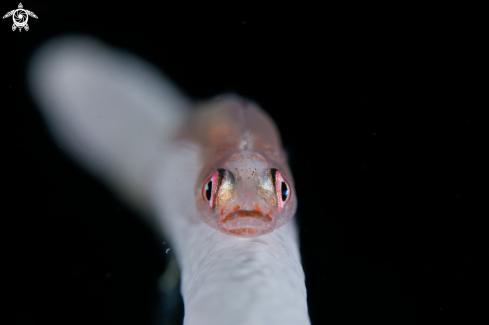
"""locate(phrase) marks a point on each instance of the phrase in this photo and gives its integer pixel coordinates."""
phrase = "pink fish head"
(248, 195)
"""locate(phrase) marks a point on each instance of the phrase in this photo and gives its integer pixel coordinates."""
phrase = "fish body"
(245, 187)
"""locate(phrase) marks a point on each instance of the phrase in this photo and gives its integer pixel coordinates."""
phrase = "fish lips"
(247, 223)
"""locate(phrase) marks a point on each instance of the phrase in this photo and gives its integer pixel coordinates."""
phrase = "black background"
(382, 114)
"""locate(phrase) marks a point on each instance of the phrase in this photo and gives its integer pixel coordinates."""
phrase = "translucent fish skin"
(245, 187)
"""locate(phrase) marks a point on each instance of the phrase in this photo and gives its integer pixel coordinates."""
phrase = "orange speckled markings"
(245, 232)
(245, 223)
(244, 213)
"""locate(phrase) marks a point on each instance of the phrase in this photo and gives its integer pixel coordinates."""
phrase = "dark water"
(381, 113)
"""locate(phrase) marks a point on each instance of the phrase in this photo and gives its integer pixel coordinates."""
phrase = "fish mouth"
(245, 223)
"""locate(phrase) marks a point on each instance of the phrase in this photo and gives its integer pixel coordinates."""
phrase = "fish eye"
(282, 188)
(208, 191)
(220, 187)
(285, 191)
(210, 188)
